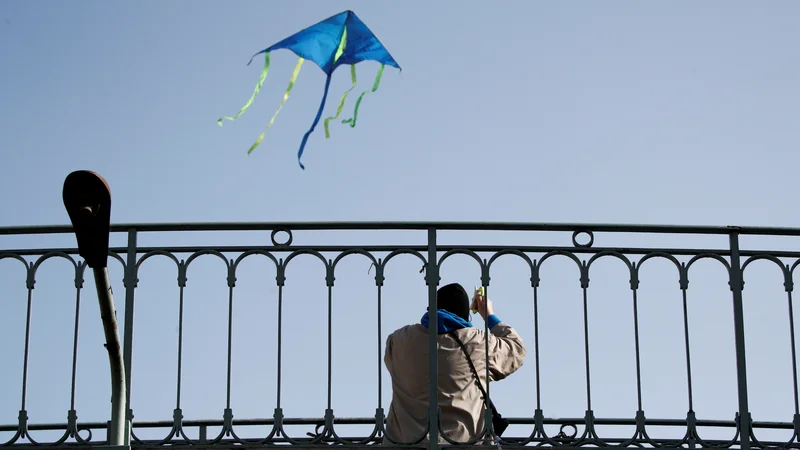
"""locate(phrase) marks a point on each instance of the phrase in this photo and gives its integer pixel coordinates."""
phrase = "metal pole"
(117, 435)
(432, 279)
(737, 285)
(127, 350)
(87, 198)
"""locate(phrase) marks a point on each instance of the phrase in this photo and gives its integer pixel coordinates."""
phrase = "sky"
(617, 111)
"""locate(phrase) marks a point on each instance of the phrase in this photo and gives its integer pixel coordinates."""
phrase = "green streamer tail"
(285, 97)
(341, 102)
(253, 97)
(375, 85)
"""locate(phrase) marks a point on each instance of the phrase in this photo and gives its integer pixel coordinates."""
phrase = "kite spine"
(316, 121)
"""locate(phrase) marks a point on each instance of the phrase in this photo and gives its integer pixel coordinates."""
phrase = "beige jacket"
(462, 410)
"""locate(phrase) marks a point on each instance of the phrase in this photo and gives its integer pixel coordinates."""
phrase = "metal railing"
(426, 244)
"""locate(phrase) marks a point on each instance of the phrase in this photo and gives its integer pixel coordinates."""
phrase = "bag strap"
(487, 403)
(471, 366)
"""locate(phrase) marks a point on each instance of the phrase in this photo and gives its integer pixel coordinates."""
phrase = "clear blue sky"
(616, 111)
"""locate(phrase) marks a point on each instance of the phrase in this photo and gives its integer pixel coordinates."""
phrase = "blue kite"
(337, 40)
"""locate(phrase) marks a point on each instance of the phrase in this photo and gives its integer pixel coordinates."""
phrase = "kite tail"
(316, 121)
(253, 97)
(375, 85)
(341, 102)
(285, 97)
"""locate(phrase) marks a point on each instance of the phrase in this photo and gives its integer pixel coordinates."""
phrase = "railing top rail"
(388, 225)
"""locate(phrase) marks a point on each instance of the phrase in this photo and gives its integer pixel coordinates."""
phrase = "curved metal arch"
(252, 252)
(169, 256)
(199, 253)
(763, 256)
(402, 251)
(787, 274)
(462, 251)
(383, 263)
(17, 435)
(515, 252)
(116, 256)
(785, 444)
(152, 253)
(319, 438)
(482, 434)
(707, 256)
(796, 263)
(613, 253)
(364, 441)
(78, 437)
(50, 255)
(252, 441)
(569, 255)
(415, 441)
(28, 274)
(665, 255)
(353, 251)
(37, 443)
(7, 255)
(305, 251)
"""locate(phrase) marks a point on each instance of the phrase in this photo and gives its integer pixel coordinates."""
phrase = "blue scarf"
(447, 321)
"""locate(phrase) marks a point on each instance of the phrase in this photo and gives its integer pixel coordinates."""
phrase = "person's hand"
(483, 305)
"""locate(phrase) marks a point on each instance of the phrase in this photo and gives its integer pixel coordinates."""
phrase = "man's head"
(454, 299)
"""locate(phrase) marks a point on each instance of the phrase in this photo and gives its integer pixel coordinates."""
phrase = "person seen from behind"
(460, 399)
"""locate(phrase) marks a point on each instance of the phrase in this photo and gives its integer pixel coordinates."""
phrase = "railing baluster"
(230, 346)
(432, 280)
(738, 323)
(78, 286)
(487, 414)
(379, 283)
(280, 280)
(635, 289)
(280, 342)
(691, 430)
(535, 285)
(684, 285)
(227, 427)
(31, 281)
(130, 281)
(584, 288)
(789, 287)
(329, 281)
(330, 344)
(181, 289)
(640, 417)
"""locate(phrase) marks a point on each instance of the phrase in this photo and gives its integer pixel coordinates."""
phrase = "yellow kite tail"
(341, 102)
(285, 97)
(375, 85)
(253, 97)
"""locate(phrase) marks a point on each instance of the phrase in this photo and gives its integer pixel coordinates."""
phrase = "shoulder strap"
(471, 366)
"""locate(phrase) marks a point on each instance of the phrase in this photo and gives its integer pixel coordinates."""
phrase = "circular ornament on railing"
(578, 233)
(88, 437)
(288, 241)
(563, 435)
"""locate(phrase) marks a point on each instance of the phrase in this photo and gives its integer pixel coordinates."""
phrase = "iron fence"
(740, 430)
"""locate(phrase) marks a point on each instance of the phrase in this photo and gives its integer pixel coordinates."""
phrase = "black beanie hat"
(454, 299)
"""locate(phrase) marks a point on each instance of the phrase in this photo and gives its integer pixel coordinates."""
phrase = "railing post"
(432, 280)
(737, 284)
(131, 280)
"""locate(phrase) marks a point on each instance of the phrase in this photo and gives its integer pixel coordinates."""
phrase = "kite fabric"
(338, 40)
